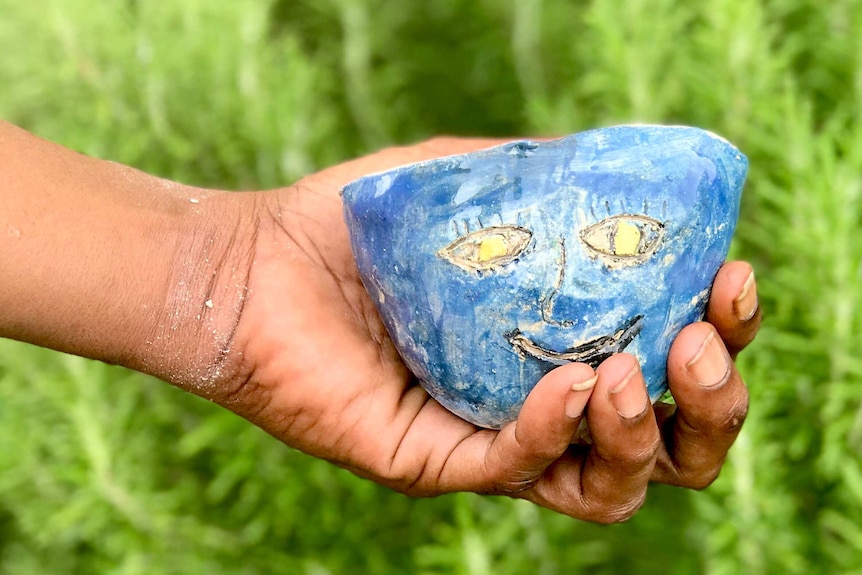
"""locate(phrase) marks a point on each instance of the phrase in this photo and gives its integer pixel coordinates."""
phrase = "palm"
(330, 355)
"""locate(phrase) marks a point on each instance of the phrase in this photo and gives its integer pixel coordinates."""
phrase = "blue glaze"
(491, 268)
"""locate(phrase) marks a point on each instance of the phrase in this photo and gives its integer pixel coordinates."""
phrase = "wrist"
(187, 335)
(103, 261)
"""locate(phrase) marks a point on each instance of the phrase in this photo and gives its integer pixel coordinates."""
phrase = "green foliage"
(107, 471)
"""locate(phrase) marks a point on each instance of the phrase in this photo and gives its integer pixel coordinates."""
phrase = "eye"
(624, 239)
(487, 248)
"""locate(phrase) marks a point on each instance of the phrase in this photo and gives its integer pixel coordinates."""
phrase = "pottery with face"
(491, 268)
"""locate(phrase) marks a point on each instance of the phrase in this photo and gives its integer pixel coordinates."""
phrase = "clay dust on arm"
(104, 261)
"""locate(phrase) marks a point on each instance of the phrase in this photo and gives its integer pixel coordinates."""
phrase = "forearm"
(103, 261)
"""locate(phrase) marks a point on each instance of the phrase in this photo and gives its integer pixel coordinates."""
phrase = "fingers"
(514, 459)
(712, 403)
(733, 306)
(523, 450)
(609, 483)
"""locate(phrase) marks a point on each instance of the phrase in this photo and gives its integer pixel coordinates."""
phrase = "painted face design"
(492, 268)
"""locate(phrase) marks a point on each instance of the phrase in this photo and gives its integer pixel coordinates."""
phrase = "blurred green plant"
(107, 471)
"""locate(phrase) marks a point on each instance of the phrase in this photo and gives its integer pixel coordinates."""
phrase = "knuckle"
(632, 459)
(646, 455)
(735, 417)
(511, 476)
(608, 514)
(415, 489)
(730, 422)
(727, 422)
(701, 479)
(546, 451)
(410, 484)
(516, 483)
(405, 473)
(519, 486)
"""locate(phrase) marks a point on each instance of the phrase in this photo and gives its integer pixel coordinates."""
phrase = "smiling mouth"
(592, 352)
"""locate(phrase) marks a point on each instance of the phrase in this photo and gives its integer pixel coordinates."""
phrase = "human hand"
(254, 301)
(316, 368)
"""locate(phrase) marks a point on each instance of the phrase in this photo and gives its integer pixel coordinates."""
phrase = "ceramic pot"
(489, 269)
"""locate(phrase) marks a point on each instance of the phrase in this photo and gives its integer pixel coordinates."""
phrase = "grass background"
(107, 471)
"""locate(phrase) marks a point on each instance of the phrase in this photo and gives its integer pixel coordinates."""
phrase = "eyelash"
(468, 229)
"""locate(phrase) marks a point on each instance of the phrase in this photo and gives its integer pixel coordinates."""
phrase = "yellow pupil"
(627, 239)
(492, 247)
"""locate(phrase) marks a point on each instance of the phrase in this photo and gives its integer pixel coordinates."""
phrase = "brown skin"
(253, 300)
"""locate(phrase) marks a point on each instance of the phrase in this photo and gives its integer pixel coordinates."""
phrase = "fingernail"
(710, 366)
(586, 384)
(745, 305)
(576, 402)
(630, 401)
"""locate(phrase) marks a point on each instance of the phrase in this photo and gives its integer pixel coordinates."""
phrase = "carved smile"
(592, 352)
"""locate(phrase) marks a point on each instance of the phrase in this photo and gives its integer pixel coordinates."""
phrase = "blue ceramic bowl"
(491, 268)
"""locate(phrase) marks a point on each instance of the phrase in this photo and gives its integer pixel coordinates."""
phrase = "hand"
(253, 301)
(312, 364)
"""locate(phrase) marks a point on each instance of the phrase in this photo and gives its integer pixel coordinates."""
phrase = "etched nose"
(554, 311)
